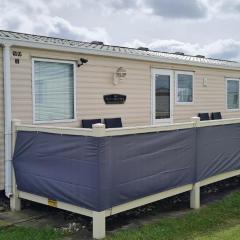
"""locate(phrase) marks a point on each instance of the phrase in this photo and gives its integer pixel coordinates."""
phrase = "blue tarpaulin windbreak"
(99, 173)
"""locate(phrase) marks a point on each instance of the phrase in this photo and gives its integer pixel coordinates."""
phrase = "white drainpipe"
(7, 120)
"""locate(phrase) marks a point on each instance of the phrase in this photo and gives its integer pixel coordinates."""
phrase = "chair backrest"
(204, 116)
(87, 123)
(216, 115)
(113, 122)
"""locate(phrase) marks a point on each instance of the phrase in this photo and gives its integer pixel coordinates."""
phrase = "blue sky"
(207, 27)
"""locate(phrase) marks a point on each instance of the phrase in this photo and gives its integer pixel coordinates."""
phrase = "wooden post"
(196, 121)
(195, 192)
(99, 130)
(99, 218)
(195, 196)
(99, 225)
(15, 201)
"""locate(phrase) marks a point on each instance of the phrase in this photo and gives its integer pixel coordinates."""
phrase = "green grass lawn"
(220, 220)
(232, 233)
(22, 233)
(217, 221)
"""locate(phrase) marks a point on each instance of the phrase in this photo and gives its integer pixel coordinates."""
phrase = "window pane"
(54, 91)
(162, 94)
(185, 88)
(233, 94)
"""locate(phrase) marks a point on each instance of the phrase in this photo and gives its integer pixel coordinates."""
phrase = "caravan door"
(162, 96)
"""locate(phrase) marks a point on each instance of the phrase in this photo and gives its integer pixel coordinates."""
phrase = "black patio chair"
(113, 122)
(204, 116)
(87, 123)
(216, 115)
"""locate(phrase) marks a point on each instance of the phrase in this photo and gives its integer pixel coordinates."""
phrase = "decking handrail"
(99, 130)
(54, 129)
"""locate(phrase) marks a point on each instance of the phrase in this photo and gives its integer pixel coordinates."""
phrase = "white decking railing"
(99, 130)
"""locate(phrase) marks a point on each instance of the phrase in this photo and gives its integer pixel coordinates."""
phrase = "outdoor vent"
(97, 42)
(200, 56)
(143, 48)
(180, 53)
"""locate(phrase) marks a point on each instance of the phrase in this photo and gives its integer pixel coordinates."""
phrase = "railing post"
(99, 225)
(195, 196)
(99, 130)
(195, 192)
(15, 201)
(196, 121)
(99, 218)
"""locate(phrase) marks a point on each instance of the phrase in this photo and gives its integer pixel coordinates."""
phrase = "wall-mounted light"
(119, 75)
(81, 61)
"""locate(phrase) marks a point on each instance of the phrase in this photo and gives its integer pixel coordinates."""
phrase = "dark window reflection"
(162, 94)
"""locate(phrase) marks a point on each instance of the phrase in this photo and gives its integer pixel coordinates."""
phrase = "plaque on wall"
(115, 99)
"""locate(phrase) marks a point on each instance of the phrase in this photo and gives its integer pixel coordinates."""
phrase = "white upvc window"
(53, 87)
(184, 87)
(232, 93)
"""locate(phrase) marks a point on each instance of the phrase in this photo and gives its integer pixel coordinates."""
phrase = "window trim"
(176, 87)
(33, 91)
(226, 94)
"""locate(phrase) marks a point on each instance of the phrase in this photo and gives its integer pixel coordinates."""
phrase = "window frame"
(226, 94)
(176, 87)
(33, 90)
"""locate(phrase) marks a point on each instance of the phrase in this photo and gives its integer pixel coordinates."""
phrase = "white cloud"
(62, 28)
(180, 9)
(167, 46)
(172, 9)
(225, 8)
(35, 17)
(222, 49)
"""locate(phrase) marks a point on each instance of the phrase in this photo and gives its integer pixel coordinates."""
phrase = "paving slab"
(8, 218)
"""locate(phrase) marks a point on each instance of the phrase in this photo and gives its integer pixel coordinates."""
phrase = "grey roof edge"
(154, 56)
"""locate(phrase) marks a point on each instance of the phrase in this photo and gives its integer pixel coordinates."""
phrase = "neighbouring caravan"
(59, 82)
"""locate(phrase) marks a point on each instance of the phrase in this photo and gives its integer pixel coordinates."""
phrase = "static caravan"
(58, 83)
